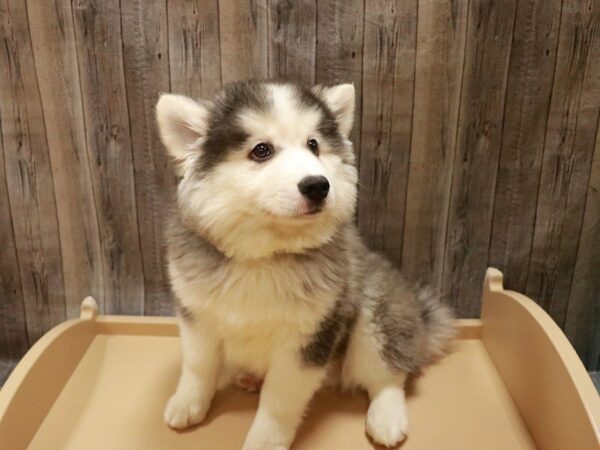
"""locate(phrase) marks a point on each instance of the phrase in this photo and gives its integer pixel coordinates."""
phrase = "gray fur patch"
(411, 324)
(401, 335)
(194, 255)
(184, 312)
(331, 338)
(395, 313)
(224, 131)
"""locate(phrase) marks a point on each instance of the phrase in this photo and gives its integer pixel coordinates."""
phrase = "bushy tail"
(439, 321)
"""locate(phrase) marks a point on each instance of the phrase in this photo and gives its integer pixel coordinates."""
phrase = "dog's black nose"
(314, 187)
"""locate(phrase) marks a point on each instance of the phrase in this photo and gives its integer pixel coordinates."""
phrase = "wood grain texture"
(28, 174)
(194, 53)
(292, 40)
(570, 138)
(487, 54)
(98, 39)
(243, 35)
(441, 35)
(146, 65)
(593, 353)
(582, 323)
(388, 84)
(53, 40)
(533, 56)
(475, 131)
(14, 339)
(339, 56)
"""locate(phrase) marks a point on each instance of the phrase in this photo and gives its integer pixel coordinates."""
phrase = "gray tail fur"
(439, 322)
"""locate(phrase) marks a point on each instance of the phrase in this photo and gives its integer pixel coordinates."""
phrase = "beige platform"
(100, 382)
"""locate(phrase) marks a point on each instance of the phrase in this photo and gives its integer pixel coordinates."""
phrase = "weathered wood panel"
(52, 35)
(98, 40)
(475, 131)
(441, 35)
(292, 40)
(388, 83)
(339, 56)
(14, 340)
(583, 307)
(28, 176)
(570, 138)
(487, 53)
(194, 53)
(533, 56)
(244, 39)
(146, 65)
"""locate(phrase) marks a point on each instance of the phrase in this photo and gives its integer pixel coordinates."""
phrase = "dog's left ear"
(340, 100)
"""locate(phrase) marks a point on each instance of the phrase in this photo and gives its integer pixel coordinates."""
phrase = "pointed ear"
(340, 100)
(182, 123)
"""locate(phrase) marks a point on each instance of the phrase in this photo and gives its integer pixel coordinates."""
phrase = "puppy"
(272, 280)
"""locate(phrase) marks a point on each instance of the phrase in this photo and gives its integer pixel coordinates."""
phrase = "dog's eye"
(261, 152)
(313, 145)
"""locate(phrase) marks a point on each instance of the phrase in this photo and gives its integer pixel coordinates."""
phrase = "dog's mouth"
(313, 210)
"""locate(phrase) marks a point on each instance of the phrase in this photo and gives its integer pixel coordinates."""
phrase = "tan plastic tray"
(100, 382)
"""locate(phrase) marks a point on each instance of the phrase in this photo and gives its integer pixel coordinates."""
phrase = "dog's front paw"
(387, 423)
(185, 410)
(269, 434)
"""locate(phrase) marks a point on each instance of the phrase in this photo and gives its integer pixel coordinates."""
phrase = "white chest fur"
(256, 306)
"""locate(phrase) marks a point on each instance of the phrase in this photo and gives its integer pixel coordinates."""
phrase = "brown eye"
(261, 152)
(313, 146)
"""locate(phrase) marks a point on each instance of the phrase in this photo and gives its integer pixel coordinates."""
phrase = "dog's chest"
(289, 291)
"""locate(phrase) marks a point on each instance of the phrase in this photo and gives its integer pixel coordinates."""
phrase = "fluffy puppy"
(272, 279)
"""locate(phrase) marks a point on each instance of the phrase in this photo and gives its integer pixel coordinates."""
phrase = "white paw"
(269, 434)
(387, 423)
(183, 411)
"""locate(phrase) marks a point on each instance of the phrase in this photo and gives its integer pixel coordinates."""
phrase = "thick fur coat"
(272, 280)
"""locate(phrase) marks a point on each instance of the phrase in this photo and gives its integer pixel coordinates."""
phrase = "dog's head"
(265, 167)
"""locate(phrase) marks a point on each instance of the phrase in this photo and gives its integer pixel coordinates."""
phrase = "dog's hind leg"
(387, 420)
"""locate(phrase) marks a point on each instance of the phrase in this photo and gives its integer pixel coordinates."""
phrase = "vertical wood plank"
(388, 83)
(292, 40)
(28, 176)
(441, 35)
(14, 340)
(243, 34)
(593, 352)
(527, 103)
(194, 53)
(570, 137)
(487, 53)
(339, 55)
(146, 64)
(52, 35)
(583, 307)
(98, 39)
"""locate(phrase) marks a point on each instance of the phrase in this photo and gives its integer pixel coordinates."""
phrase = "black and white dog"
(272, 279)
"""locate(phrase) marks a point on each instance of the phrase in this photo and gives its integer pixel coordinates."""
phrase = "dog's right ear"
(182, 123)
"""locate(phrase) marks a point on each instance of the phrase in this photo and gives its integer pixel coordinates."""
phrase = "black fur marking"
(226, 134)
(184, 312)
(224, 131)
(328, 126)
(331, 338)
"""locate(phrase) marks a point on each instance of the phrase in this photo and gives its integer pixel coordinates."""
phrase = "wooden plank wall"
(476, 134)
